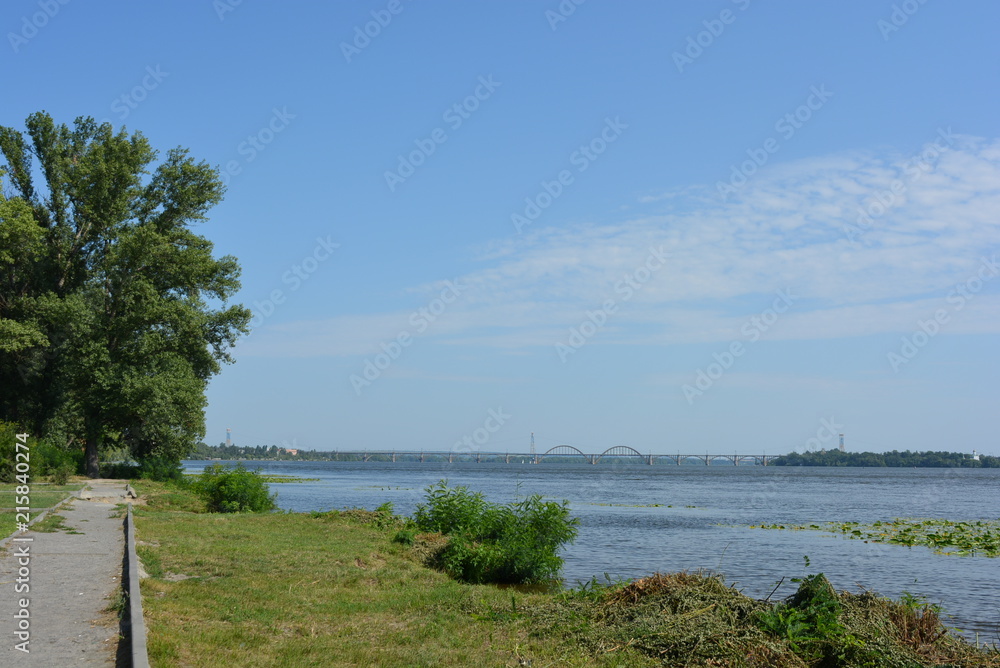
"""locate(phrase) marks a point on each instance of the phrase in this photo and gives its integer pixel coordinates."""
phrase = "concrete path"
(72, 579)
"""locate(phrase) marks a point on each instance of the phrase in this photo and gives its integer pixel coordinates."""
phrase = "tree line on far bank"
(827, 458)
(887, 459)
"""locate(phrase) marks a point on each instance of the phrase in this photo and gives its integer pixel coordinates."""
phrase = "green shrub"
(48, 458)
(809, 620)
(45, 459)
(61, 475)
(488, 542)
(157, 469)
(8, 440)
(120, 470)
(161, 469)
(234, 490)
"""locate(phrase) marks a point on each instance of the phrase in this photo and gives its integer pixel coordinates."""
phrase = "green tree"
(113, 312)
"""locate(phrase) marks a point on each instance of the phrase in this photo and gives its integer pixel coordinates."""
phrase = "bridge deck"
(558, 452)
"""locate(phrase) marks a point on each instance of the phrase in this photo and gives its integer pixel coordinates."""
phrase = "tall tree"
(115, 314)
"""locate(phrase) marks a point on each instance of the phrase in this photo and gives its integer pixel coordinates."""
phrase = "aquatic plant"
(962, 538)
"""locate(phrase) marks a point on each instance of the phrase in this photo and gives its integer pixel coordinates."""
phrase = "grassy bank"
(41, 497)
(327, 589)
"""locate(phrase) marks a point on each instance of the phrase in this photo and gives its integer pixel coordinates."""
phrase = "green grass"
(333, 589)
(8, 521)
(298, 590)
(52, 523)
(41, 497)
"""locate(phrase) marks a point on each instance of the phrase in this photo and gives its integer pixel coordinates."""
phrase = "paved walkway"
(73, 578)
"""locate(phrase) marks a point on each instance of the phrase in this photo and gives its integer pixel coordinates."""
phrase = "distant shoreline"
(832, 458)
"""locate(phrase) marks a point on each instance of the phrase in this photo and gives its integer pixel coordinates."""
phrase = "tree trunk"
(91, 461)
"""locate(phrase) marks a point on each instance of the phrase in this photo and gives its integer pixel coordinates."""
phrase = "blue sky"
(728, 226)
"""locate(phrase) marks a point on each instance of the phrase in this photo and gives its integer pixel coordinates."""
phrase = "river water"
(703, 518)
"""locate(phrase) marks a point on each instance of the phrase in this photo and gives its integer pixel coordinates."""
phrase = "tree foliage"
(893, 459)
(113, 312)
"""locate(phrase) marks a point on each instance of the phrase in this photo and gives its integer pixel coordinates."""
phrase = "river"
(703, 516)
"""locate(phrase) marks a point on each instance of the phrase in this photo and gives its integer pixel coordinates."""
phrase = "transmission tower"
(532, 444)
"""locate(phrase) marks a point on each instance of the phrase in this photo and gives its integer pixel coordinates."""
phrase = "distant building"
(975, 456)
(291, 451)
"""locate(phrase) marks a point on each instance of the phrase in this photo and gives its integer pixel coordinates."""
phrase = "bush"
(488, 542)
(61, 475)
(157, 469)
(161, 469)
(234, 490)
(45, 459)
(120, 471)
(8, 440)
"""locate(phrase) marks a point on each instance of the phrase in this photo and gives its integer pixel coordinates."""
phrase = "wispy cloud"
(787, 229)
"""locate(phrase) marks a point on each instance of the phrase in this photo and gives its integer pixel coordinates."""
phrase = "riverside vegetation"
(354, 587)
(974, 537)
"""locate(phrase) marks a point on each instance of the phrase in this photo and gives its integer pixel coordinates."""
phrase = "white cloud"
(790, 227)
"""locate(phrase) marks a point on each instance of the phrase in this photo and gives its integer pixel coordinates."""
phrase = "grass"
(53, 523)
(333, 589)
(975, 537)
(41, 497)
(324, 589)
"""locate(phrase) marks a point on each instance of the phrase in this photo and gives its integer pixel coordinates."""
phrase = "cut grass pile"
(976, 537)
(332, 589)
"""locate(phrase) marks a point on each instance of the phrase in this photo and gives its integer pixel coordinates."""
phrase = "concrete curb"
(137, 625)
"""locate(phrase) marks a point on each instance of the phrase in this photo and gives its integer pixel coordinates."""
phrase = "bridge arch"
(562, 451)
(620, 451)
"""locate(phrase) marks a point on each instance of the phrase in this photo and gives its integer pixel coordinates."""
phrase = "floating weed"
(270, 477)
(961, 538)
